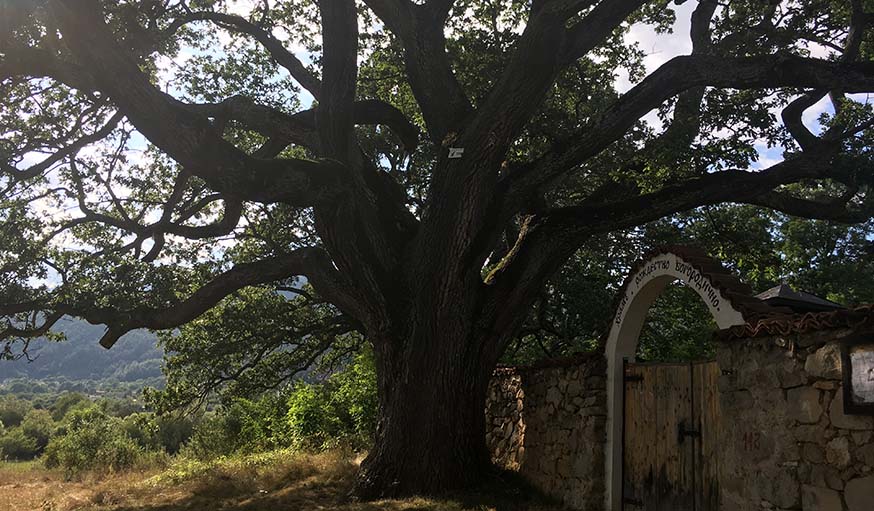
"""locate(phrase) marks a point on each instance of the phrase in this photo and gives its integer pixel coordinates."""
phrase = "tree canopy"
(426, 166)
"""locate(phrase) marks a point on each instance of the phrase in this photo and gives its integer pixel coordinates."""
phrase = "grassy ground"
(268, 482)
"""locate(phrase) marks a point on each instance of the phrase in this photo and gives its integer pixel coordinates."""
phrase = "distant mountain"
(135, 356)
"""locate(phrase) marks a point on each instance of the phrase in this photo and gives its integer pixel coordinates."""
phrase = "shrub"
(354, 396)
(154, 433)
(29, 438)
(340, 411)
(66, 402)
(142, 429)
(90, 440)
(13, 410)
(15, 444)
(311, 420)
(38, 425)
(211, 438)
(174, 432)
(243, 426)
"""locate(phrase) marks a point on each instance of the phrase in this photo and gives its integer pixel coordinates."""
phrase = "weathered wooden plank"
(675, 487)
(708, 417)
(659, 468)
(639, 455)
(664, 446)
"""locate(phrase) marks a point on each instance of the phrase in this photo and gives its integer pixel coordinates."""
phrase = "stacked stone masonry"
(547, 422)
(789, 444)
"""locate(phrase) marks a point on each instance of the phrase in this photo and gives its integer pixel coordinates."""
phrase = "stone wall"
(789, 444)
(548, 423)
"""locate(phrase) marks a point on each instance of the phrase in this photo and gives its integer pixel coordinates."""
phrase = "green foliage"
(66, 402)
(173, 432)
(38, 425)
(312, 416)
(17, 445)
(69, 428)
(762, 247)
(242, 426)
(90, 440)
(341, 410)
(13, 410)
(28, 439)
(166, 433)
(678, 328)
(251, 342)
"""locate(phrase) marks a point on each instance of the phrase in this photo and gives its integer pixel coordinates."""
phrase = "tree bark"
(430, 437)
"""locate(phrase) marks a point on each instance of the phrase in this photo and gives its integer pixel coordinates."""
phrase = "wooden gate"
(671, 437)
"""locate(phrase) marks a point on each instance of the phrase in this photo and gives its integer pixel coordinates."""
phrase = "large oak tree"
(454, 155)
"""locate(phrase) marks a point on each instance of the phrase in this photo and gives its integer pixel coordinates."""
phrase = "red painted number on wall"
(752, 441)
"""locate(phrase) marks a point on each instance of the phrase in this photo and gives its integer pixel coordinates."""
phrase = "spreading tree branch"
(189, 138)
(437, 91)
(312, 262)
(335, 115)
(595, 27)
(675, 76)
(274, 46)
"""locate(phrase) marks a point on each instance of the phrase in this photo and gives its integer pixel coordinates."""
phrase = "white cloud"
(30, 159)
(768, 156)
(660, 48)
(242, 7)
(811, 115)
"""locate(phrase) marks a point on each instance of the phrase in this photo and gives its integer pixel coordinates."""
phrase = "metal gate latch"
(682, 432)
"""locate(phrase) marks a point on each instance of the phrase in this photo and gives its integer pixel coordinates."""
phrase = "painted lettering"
(752, 441)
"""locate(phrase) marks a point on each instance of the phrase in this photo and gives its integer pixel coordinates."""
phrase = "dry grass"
(275, 481)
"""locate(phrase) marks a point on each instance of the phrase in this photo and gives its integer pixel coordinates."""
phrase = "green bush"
(143, 429)
(154, 433)
(90, 440)
(354, 396)
(28, 439)
(15, 444)
(312, 422)
(243, 426)
(340, 411)
(211, 438)
(174, 432)
(66, 402)
(13, 410)
(38, 425)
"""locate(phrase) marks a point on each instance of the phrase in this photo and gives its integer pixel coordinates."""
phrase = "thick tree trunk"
(430, 436)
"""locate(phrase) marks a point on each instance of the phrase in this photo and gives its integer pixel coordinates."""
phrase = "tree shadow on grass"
(325, 491)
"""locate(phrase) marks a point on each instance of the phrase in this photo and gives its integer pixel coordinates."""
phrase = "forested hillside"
(80, 357)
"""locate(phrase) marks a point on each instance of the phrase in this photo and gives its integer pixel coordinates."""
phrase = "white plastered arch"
(640, 291)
